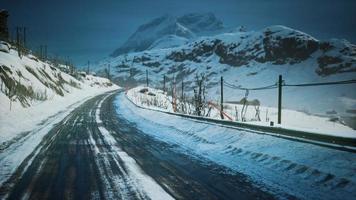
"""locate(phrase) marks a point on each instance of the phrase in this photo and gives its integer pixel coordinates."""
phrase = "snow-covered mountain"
(171, 30)
(252, 59)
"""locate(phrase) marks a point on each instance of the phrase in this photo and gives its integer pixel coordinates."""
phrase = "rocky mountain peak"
(186, 26)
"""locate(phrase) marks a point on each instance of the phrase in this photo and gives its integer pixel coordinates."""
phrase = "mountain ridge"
(250, 59)
(187, 26)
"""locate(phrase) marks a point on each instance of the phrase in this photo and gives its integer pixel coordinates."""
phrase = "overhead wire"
(273, 86)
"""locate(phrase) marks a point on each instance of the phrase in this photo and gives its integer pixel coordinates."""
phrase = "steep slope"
(186, 26)
(201, 23)
(31, 90)
(168, 41)
(253, 59)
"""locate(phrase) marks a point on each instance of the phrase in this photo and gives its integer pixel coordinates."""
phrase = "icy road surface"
(110, 149)
(96, 154)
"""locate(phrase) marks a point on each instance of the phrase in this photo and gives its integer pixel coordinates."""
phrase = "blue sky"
(91, 29)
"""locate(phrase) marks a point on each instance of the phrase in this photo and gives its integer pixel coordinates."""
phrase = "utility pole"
(174, 95)
(24, 37)
(164, 83)
(222, 97)
(18, 40)
(108, 70)
(45, 51)
(146, 78)
(280, 99)
(41, 52)
(182, 89)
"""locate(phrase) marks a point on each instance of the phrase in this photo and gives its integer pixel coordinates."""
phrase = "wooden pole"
(18, 40)
(164, 83)
(146, 78)
(174, 95)
(222, 98)
(45, 52)
(182, 89)
(24, 37)
(41, 52)
(280, 99)
(109, 72)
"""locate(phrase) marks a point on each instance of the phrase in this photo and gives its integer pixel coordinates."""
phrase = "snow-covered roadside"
(12, 157)
(294, 120)
(39, 89)
(304, 170)
(42, 96)
(37, 120)
(19, 120)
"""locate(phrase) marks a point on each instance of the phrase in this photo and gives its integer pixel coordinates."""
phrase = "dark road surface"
(76, 161)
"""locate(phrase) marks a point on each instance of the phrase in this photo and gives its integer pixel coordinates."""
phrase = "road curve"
(95, 154)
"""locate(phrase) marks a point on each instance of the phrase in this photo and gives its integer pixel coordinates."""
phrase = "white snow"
(168, 41)
(22, 119)
(316, 100)
(291, 119)
(23, 127)
(14, 155)
(281, 166)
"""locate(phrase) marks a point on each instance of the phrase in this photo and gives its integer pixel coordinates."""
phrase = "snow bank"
(291, 119)
(41, 91)
(280, 166)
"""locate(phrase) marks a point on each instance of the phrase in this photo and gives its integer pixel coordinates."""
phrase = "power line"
(273, 86)
(322, 83)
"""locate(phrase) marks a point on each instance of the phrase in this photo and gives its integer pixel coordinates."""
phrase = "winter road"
(96, 154)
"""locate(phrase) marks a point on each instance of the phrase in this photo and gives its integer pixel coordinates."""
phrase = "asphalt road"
(76, 161)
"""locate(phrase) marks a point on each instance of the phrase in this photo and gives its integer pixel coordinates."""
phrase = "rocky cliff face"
(277, 44)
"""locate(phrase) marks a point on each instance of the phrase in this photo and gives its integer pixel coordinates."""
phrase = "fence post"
(280, 99)
(222, 97)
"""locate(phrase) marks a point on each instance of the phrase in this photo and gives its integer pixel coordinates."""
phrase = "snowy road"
(110, 149)
(95, 154)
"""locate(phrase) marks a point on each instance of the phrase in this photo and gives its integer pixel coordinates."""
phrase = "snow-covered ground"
(281, 166)
(291, 119)
(42, 91)
(253, 59)
(35, 95)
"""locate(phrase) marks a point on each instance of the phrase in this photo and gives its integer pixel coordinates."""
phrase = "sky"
(85, 30)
